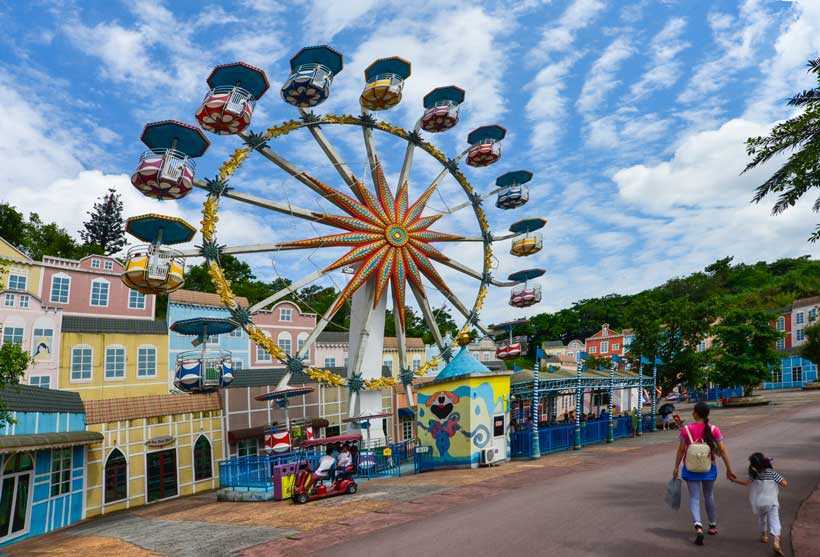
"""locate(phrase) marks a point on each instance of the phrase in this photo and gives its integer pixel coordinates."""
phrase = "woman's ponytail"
(702, 410)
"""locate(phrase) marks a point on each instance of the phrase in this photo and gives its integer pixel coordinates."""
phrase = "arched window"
(116, 477)
(202, 459)
(300, 341)
(284, 342)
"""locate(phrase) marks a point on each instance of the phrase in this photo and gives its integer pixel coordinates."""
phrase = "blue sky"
(632, 117)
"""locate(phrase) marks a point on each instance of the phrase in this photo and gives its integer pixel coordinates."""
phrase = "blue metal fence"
(716, 393)
(521, 443)
(257, 471)
(556, 438)
(623, 427)
(378, 463)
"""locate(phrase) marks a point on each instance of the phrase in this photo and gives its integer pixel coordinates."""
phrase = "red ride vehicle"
(311, 485)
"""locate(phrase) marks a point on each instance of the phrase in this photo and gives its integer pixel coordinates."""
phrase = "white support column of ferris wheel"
(401, 342)
(429, 317)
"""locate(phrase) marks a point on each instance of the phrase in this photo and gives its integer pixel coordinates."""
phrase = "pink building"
(288, 326)
(92, 286)
(36, 328)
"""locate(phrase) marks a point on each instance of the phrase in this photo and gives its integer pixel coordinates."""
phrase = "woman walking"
(700, 443)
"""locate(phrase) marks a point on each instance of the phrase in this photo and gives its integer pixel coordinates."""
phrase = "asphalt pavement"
(616, 506)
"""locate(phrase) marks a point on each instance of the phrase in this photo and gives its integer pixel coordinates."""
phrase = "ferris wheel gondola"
(388, 236)
(525, 294)
(532, 240)
(234, 90)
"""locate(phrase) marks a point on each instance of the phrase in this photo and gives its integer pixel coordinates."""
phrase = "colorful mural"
(465, 412)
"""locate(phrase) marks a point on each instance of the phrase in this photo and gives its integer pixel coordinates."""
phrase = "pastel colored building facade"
(803, 314)
(247, 419)
(482, 349)
(463, 412)
(609, 342)
(22, 273)
(103, 358)
(36, 328)
(188, 304)
(289, 326)
(794, 371)
(564, 354)
(42, 462)
(152, 448)
(91, 286)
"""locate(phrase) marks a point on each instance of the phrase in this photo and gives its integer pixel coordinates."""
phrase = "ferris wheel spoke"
(284, 208)
(418, 207)
(427, 313)
(323, 322)
(333, 156)
(404, 174)
(288, 290)
(460, 206)
(340, 199)
(436, 255)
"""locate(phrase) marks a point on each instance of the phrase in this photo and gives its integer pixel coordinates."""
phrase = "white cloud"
(560, 37)
(738, 40)
(325, 19)
(601, 78)
(665, 65)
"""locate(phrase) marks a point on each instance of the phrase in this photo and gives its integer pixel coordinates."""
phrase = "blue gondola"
(311, 73)
(513, 193)
(206, 369)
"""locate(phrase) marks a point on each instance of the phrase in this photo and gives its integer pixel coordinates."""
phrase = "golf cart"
(309, 486)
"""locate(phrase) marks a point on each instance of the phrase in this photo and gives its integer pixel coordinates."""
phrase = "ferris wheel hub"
(396, 235)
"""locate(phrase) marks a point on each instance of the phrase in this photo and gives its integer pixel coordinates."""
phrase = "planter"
(746, 401)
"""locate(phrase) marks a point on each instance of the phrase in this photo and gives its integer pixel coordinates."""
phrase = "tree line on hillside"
(102, 234)
(734, 305)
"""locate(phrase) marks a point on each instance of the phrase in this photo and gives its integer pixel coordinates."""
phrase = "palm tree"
(801, 134)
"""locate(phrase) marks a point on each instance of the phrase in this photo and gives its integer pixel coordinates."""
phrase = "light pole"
(535, 446)
(579, 402)
(639, 427)
(610, 436)
(654, 394)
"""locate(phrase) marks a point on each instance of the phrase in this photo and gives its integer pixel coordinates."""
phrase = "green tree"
(744, 348)
(801, 137)
(811, 349)
(104, 226)
(13, 363)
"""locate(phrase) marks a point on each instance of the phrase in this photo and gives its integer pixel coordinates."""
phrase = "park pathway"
(616, 507)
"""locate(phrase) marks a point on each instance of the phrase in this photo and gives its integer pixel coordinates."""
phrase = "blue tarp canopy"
(486, 132)
(201, 326)
(449, 93)
(528, 225)
(240, 74)
(394, 65)
(323, 54)
(515, 177)
(406, 413)
(525, 275)
(147, 227)
(163, 135)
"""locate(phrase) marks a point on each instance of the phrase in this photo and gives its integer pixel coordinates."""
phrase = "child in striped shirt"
(764, 495)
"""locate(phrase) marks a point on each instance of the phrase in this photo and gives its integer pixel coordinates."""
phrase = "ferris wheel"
(386, 236)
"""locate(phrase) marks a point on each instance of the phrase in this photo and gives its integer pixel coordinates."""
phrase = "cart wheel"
(300, 498)
(352, 488)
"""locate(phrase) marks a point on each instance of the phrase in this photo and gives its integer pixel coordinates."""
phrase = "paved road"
(616, 506)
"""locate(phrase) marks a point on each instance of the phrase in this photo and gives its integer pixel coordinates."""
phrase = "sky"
(632, 117)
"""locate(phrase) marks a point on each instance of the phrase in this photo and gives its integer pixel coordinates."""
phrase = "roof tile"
(196, 298)
(112, 410)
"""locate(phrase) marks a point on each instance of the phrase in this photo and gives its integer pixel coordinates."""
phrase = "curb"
(805, 540)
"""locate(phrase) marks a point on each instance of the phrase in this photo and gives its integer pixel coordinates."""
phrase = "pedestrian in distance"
(700, 444)
(764, 495)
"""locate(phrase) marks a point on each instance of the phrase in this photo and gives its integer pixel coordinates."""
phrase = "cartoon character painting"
(442, 405)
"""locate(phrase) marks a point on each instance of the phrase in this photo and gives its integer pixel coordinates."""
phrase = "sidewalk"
(806, 528)
(199, 525)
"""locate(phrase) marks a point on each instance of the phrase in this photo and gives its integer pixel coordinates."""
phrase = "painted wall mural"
(456, 418)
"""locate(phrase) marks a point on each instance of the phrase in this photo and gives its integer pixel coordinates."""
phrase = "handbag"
(673, 493)
(698, 455)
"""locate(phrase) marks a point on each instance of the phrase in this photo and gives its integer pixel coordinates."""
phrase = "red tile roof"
(112, 410)
(196, 298)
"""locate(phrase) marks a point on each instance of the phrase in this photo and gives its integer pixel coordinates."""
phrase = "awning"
(406, 413)
(35, 441)
(239, 434)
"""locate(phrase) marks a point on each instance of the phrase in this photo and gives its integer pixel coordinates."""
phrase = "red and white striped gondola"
(228, 106)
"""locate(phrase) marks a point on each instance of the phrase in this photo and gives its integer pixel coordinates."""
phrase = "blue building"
(187, 304)
(794, 372)
(43, 459)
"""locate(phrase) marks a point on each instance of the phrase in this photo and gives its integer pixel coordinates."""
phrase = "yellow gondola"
(385, 80)
(530, 244)
(156, 268)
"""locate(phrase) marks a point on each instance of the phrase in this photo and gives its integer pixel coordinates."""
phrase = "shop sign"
(160, 441)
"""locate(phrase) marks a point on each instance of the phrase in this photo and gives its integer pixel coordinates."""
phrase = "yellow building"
(21, 272)
(112, 358)
(153, 448)
(414, 348)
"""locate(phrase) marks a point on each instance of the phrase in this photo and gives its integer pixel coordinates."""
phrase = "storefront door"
(162, 474)
(15, 492)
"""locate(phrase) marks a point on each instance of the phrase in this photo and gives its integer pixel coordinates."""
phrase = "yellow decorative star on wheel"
(389, 237)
